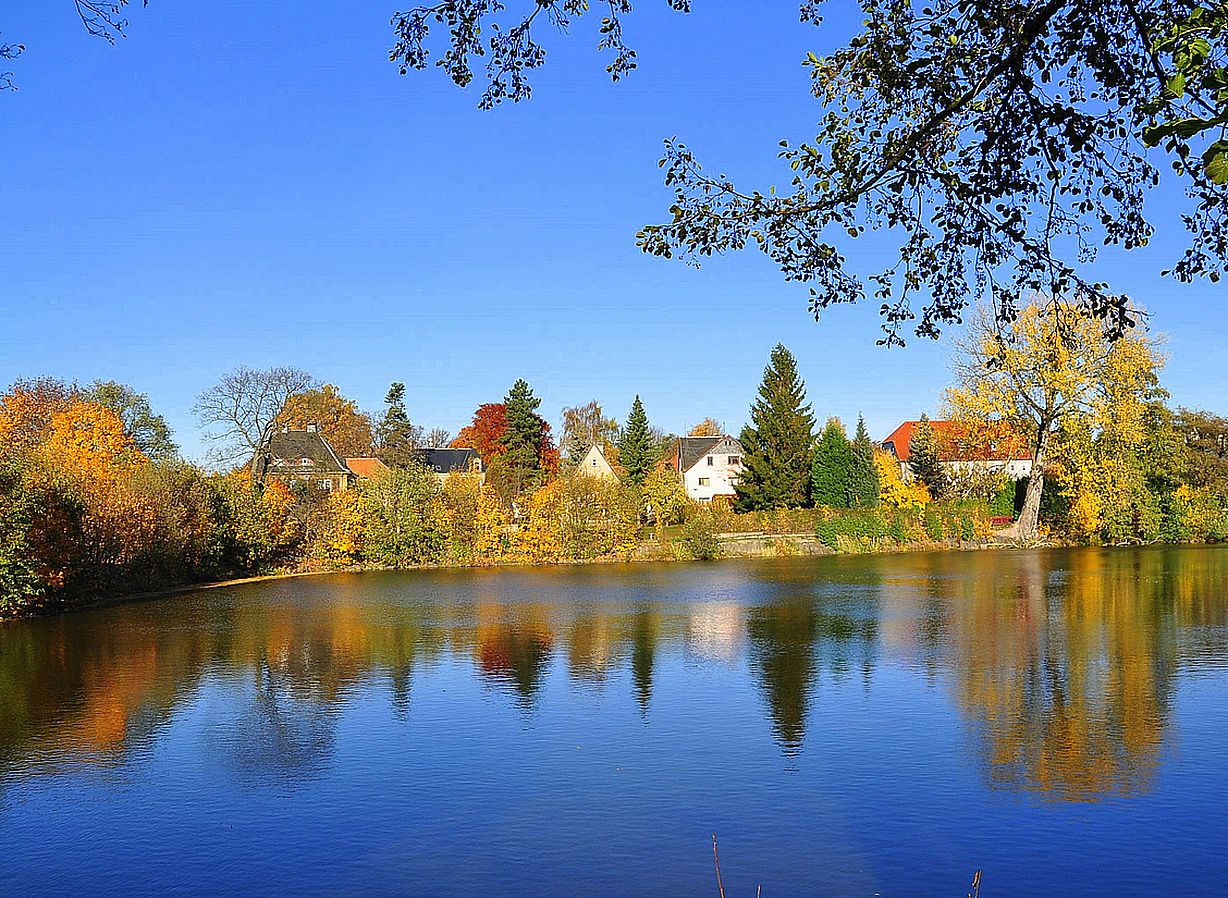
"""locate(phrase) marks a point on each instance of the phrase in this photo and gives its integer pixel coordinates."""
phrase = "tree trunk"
(1029, 517)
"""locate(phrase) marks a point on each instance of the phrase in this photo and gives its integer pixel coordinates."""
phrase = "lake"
(846, 726)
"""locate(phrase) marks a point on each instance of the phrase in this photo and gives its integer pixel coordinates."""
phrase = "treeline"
(95, 500)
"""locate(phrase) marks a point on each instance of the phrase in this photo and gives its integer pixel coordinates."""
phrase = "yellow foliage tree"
(892, 489)
(457, 512)
(346, 427)
(343, 536)
(597, 516)
(90, 441)
(539, 537)
(490, 522)
(708, 427)
(1052, 369)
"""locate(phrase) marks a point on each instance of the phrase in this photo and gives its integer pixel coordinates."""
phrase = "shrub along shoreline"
(710, 533)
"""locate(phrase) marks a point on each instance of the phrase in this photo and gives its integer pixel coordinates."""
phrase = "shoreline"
(811, 548)
(766, 550)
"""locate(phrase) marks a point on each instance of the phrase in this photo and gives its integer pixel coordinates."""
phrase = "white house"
(1015, 462)
(710, 466)
(594, 464)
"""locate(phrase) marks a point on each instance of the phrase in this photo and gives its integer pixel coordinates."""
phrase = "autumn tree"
(346, 427)
(864, 486)
(664, 498)
(1204, 444)
(484, 434)
(708, 427)
(978, 134)
(437, 438)
(240, 411)
(396, 436)
(831, 465)
(925, 458)
(1053, 369)
(585, 426)
(401, 518)
(778, 440)
(149, 431)
(26, 411)
(489, 435)
(636, 452)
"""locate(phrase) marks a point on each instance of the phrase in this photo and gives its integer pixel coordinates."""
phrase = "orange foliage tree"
(26, 412)
(486, 432)
(346, 427)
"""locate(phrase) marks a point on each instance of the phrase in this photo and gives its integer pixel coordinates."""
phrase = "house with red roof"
(959, 449)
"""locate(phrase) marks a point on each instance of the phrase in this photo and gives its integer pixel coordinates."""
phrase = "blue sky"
(255, 184)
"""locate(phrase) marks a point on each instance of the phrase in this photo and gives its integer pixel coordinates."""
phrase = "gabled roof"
(446, 461)
(899, 443)
(298, 452)
(366, 467)
(595, 458)
(692, 449)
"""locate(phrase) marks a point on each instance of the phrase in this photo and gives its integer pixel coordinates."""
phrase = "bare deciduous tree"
(239, 410)
(438, 438)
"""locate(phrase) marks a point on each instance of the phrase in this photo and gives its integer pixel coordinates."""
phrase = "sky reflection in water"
(846, 725)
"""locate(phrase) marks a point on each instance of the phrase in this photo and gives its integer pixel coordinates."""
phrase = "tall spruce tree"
(636, 446)
(523, 438)
(831, 467)
(776, 442)
(863, 473)
(396, 437)
(924, 461)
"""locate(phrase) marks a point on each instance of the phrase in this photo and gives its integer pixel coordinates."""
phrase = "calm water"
(846, 726)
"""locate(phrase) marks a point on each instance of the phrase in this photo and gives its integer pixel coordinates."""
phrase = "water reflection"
(1063, 665)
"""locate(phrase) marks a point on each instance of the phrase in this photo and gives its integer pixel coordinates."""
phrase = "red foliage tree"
(485, 434)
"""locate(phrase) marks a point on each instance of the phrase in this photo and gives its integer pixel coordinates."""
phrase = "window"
(735, 459)
(326, 485)
(594, 462)
(705, 481)
(710, 461)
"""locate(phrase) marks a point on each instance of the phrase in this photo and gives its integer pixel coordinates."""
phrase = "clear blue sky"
(253, 183)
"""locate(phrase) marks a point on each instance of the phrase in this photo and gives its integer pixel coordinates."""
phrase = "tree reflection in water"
(1063, 664)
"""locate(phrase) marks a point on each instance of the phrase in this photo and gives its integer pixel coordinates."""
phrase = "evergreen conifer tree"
(923, 459)
(397, 437)
(831, 468)
(636, 449)
(523, 438)
(777, 441)
(863, 473)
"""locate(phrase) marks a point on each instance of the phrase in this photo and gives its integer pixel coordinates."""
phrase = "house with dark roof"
(451, 461)
(959, 452)
(710, 466)
(301, 456)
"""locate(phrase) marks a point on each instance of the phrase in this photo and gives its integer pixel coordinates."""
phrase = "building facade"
(1007, 456)
(595, 464)
(452, 461)
(710, 466)
(302, 457)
